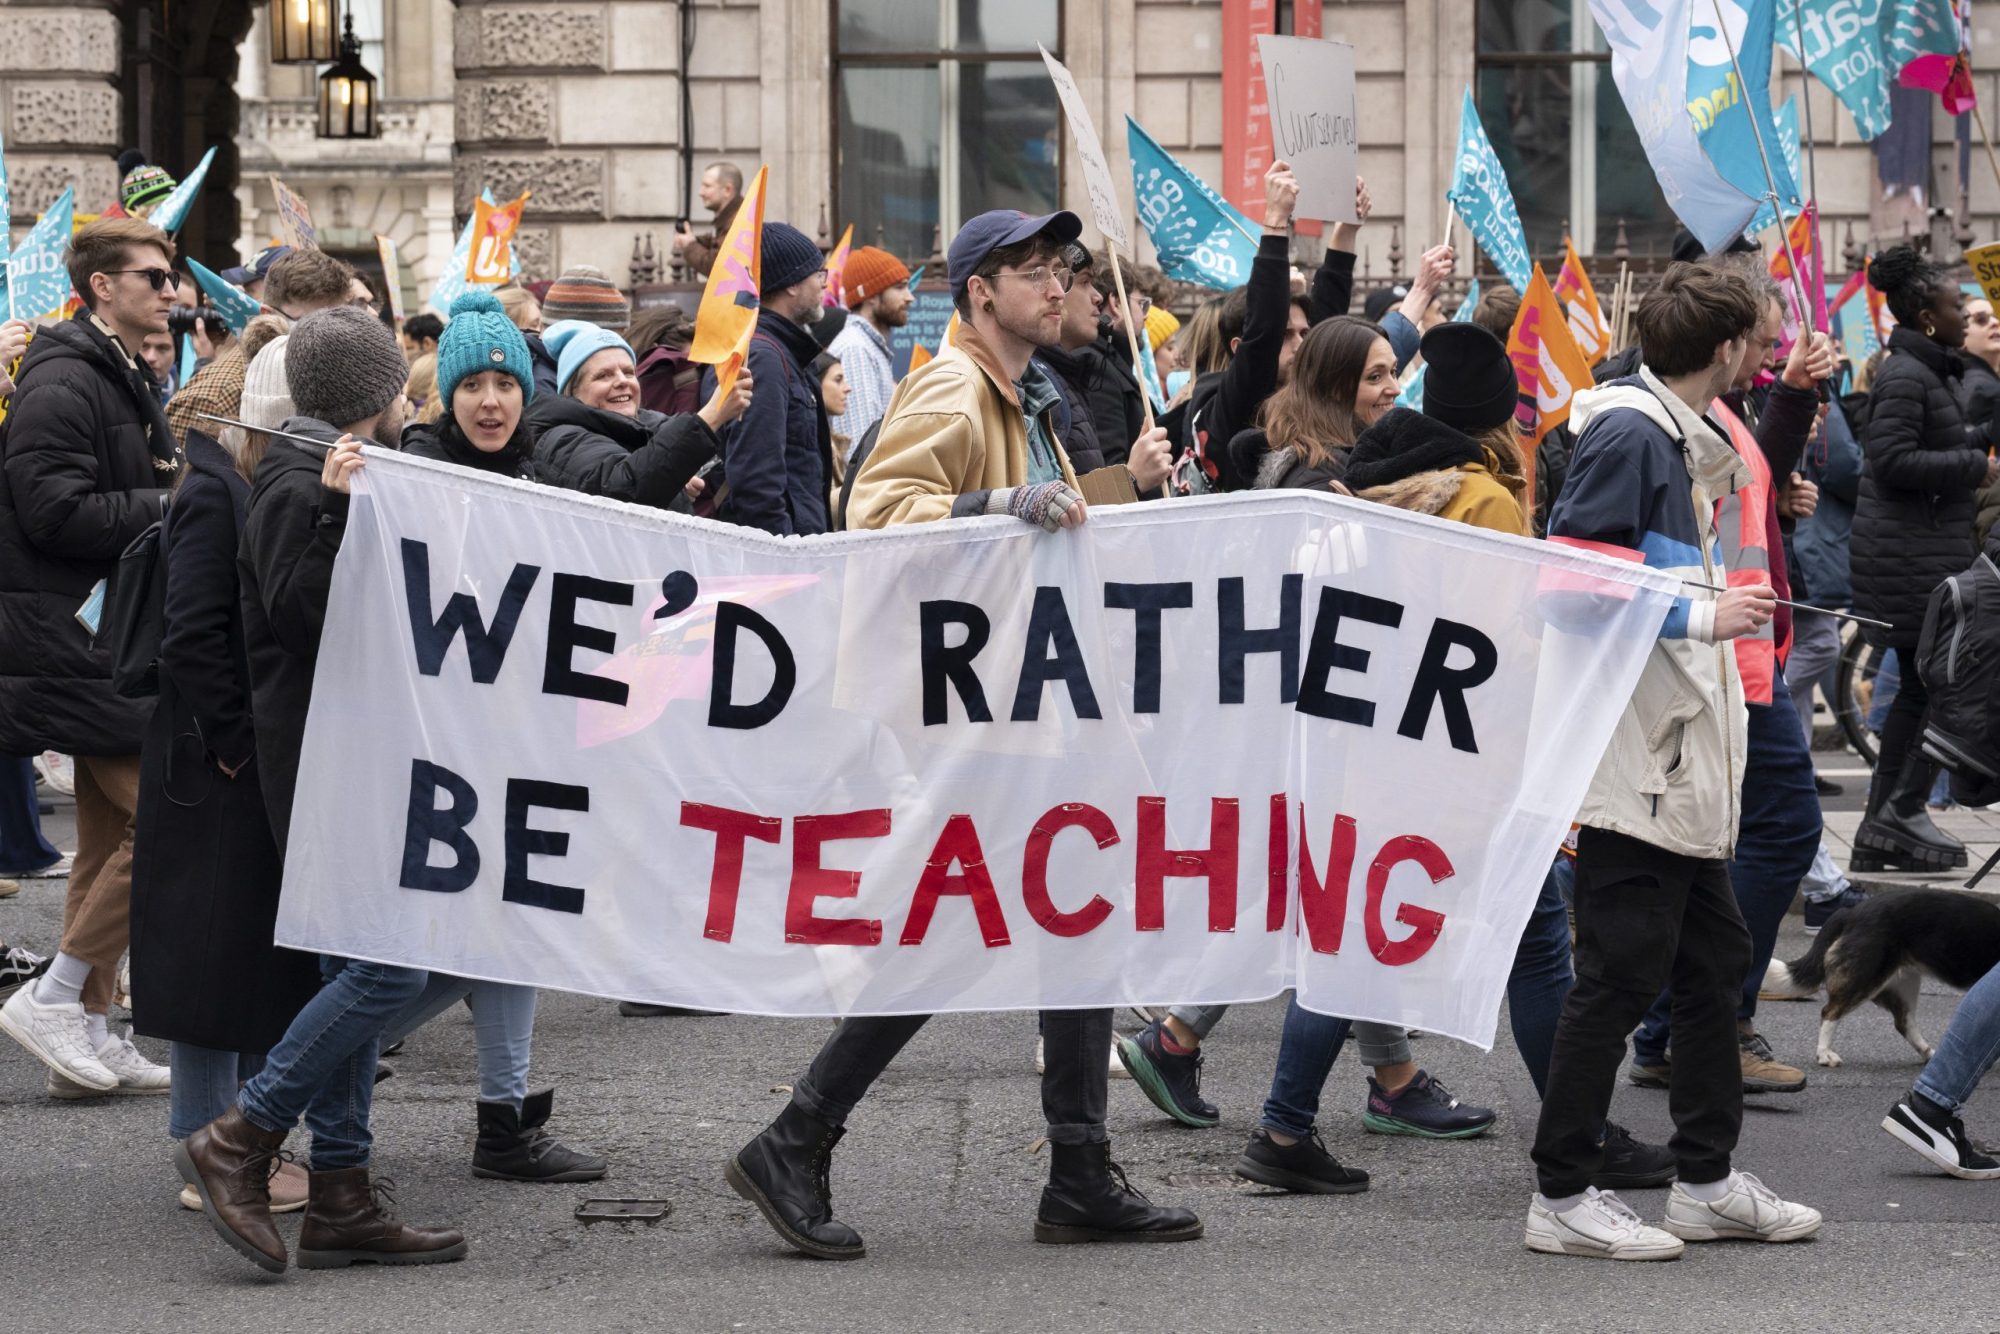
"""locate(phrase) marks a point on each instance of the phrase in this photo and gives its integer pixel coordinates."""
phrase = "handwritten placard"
(1309, 86)
(1985, 262)
(1105, 209)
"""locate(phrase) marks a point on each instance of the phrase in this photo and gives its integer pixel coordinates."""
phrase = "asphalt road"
(938, 1174)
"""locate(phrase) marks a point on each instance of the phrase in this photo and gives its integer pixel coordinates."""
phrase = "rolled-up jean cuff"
(1289, 1127)
(1937, 1096)
(1381, 1044)
(1079, 1133)
(1201, 1018)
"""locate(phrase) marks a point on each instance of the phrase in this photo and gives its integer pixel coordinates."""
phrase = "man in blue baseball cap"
(250, 277)
(972, 433)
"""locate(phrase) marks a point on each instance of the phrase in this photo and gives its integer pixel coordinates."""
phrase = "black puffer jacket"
(1117, 404)
(1913, 524)
(85, 463)
(443, 441)
(1072, 373)
(645, 459)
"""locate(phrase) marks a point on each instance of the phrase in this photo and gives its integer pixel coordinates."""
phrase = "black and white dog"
(1881, 950)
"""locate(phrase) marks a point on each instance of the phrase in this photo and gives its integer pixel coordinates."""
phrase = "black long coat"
(1913, 523)
(205, 869)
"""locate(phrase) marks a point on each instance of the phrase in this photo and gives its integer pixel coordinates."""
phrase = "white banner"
(956, 766)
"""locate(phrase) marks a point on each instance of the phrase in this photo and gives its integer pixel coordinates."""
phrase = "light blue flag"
(451, 284)
(1788, 148)
(236, 306)
(1151, 378)
(172, 213)
(1858, 49)
(1858, 337)
(6, 216)
(1412, 396)
(1480, 193)
(38, 272)
(1649, 61)
(1729, 117)
(1201, 237)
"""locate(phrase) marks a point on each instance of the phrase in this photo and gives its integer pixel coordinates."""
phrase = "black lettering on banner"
(723, 711)
(1327, 653)
(523, 795)
(946, 664)
(485, 649)
(424, 824)
(1051, 654)
(1147, 601)
(559, 677)
(1234, 643)
(1448, 685)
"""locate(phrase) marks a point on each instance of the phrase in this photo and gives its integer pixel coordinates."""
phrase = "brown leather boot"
(348, 1222)
(228, 1162)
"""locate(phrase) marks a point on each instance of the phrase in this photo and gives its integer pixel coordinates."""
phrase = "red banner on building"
(1246, 110)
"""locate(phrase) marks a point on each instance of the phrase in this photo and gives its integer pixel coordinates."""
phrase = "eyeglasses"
(160, 279)
(1064, 276)
(1142, 304)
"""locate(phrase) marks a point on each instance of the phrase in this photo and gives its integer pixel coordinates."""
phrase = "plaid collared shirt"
(216, 388)
(871, 377)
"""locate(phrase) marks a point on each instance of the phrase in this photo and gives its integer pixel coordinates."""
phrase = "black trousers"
(1076, 1049)
(1647, 921)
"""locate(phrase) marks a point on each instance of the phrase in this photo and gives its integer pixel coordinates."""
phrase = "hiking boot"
(1820, 911)
(1630, 1164)
(229, 1163)
(1171, 1079)
(1601, 1226)
(1304, 1168)
(1940, 1136)
(1089, 1199)
(1424, 1109)
(787, 1173)
(1764, 1072)
(349, 1222)
(1646, 1073)
(516, 1146)
(1750, 1211)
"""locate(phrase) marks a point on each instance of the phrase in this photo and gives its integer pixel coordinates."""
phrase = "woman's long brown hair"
(1313, 411)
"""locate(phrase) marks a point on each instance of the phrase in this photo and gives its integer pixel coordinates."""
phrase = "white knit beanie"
(267, 398)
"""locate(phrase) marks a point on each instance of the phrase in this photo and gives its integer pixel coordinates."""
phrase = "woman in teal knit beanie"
(485, 379)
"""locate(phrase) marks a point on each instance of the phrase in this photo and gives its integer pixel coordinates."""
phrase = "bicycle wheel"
(1854, 691)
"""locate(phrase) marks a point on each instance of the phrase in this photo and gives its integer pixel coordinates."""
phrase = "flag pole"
(1131, 334)
(1991, 161)
(1805, 100)
(1764, 158)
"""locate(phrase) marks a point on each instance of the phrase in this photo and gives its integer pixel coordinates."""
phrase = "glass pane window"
(890, 128)
(1008, 124)
(368, 26)
(914, 26)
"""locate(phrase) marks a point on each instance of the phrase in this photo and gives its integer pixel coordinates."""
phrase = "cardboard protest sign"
(1105, 210)
(1310, 87)
(295, 224)
(566, 742)
(1985, 262)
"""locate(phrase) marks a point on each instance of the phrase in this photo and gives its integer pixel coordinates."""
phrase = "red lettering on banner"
(1323, 907)
(811, 881)
(958, 845)
(1278, 873)
(1156, 861)
(1424, 924)
(731, 830)
(1035, 869)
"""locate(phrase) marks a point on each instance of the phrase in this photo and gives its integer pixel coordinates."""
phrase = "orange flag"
(919, 356)
(490, 261)
(1579, 301)
(728, 313)
(1550, 365)
(836, 270)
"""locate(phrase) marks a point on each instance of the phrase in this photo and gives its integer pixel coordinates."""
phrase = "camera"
(181, 321)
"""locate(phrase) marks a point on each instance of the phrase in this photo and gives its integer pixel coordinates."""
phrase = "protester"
(1162, 328)
(878, 302)
(584, 293)
(251, 277)
(1926, 1118)
(777, 456)
(86, 463)
(484, 380)
(1342, 380)
(160, 354)
(595, 437)
(1071, 365)
(968, 433)
(831, 378)
(1913, 528)
(1979, 397)
(345, 374)
(721, 193)
(419, 335)
(1653, 904)
(1110, 380)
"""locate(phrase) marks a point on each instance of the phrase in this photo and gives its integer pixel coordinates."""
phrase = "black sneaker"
(1940, 1137)
(1826, 787)
(1819, 913)
(19, 967)
(1172, 1082)
(1304, 1168)
(1424, 1109)
(1631, 1165)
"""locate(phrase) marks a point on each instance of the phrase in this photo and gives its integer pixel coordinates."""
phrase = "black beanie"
(789, 257)
(1469, 382)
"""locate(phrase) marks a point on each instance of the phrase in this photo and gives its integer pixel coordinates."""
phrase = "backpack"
(135, 614)
(1958, 658)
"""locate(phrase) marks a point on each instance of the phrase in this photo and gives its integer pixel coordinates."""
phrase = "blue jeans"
(1970, 1046)
(503, 1029)
(324, 1067)
(1775, 846)
(1306, 1052)
(22, 847)
(1543, 973)
(205, 1084)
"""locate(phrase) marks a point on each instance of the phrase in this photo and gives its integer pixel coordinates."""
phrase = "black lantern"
(302, 32)
(347, 93)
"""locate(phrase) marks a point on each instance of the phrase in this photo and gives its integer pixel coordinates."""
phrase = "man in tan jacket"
(971, 434)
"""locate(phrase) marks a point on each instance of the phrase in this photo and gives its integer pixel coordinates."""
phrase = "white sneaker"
(56, 1036)
(135, 1073)
(1599, 1225)
(58, 771)
(1751, 1211)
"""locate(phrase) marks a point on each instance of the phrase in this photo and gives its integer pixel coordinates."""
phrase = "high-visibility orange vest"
(1743, 520)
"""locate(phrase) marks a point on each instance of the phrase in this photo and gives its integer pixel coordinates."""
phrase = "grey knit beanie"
(343, 365)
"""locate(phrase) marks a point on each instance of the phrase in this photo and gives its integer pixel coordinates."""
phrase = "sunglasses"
(158, 279)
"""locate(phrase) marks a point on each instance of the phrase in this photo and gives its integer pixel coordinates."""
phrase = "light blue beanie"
(479, 337)
(573, 342)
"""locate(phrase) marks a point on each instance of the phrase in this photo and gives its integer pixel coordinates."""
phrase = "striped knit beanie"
(584, 293)
(144, 187)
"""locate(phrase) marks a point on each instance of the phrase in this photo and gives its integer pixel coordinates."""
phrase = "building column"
(60, 106)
